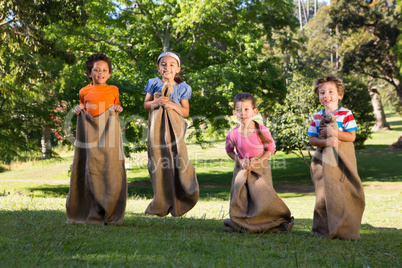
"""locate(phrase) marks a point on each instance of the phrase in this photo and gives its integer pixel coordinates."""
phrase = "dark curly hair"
(329, 78)
(89, 64)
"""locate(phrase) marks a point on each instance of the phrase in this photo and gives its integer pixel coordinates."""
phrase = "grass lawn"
(33, 230)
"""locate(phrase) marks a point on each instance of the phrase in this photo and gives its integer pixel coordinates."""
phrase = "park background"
(272, 49)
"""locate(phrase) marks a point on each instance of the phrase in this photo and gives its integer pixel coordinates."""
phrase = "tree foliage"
(220, 43)
(29, 60)
(372, 27)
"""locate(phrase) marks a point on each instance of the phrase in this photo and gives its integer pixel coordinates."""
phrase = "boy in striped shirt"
(330, 90)
(339, 192)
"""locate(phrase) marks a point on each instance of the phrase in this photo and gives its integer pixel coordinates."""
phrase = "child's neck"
(170, 81)
(331, 110)
(246, 130)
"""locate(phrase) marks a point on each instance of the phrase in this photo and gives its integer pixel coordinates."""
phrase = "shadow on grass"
(146, 191)
(375, 163)
(396, 125)
(149, 240)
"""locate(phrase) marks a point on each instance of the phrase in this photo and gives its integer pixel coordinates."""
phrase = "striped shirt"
(344, 119)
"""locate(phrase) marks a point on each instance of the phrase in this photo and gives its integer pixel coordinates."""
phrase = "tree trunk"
(380, 120)
(166, 39)
(396, 145)
(398, 88)
(264, 116)
(300, 16)
(315, 7)
(46, 143)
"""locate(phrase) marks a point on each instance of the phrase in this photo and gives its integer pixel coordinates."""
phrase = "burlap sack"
(173, 177)
(339, 192)
(254, 204)
(98, 186)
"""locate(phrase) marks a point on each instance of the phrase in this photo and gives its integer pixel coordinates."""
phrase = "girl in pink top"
(255, 207)
(249, 138)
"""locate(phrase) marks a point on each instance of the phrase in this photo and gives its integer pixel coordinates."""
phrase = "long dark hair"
(248, 97)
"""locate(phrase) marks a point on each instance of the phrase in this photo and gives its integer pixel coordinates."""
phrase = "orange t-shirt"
(97, 99)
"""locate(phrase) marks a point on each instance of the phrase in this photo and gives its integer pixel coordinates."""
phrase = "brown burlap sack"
(254, 205)
(339, 193)
(98, 186)
(173, 177)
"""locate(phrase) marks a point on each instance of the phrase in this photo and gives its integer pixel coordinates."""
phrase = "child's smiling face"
(329, 96)
(100, 73)
(244, 112)
(168, 67)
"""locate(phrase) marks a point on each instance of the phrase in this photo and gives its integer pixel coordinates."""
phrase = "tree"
(322, 55)
(24, 49)
(373, 30)
(220, 40)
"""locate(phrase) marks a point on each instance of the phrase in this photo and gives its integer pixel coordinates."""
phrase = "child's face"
(168, 67)
(244, 112)
(329, 96)
(100, 73)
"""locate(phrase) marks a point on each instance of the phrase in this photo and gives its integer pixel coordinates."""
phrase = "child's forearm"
(317, 142)
(232, 155)
(347, 136)
(266, 155)
(183, 111)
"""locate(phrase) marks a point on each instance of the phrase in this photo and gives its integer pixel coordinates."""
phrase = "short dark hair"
(243, 97)
(329, 78)
(89, 64)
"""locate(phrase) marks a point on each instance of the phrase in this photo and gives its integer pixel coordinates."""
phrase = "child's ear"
(234, 112)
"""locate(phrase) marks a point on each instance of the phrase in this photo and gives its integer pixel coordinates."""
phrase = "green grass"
(33, 230)
(33, 233)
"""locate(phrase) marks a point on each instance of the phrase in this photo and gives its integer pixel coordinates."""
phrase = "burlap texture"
(339, 193)
(98, 185)
(254, 204)
(173, 177)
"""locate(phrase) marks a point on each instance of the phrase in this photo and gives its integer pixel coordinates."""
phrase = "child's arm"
(183, 110)
(79, 108)
(257, 161)
(118, 108)
(342, 135)
(328, 142)
(150, 102)
(243, 162)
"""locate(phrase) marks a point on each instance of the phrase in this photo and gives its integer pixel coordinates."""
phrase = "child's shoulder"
(91, 86)
(183, 84)
(343, 111)
(155, 81)
(234, 130)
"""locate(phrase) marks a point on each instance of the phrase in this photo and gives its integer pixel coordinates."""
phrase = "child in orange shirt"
(98, 184)
(97, 97)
